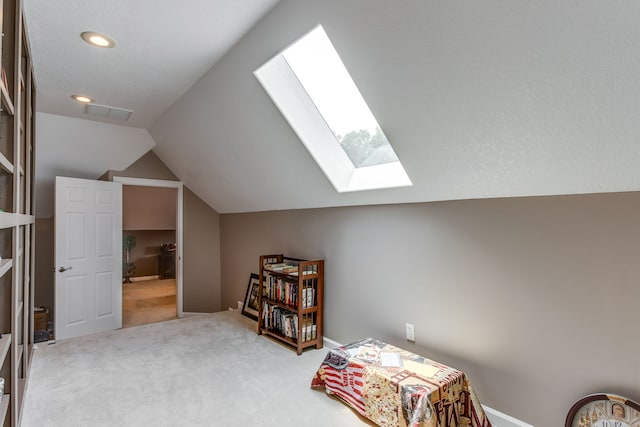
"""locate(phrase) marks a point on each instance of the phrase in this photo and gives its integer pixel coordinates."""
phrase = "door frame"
(146, 182)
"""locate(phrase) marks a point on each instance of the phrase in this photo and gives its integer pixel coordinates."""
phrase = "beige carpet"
(209, 370)
(148, 301)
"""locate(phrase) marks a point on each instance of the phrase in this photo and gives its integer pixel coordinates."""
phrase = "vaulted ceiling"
(481, 99)
(162, 48)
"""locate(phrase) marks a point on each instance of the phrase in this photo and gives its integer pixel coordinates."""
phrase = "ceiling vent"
(106, 112)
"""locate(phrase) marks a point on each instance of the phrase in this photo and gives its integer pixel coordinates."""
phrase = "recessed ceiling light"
(97, 39)
(82, 98)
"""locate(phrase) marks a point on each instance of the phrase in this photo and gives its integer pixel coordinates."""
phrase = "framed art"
(250, 306)
(604, 410)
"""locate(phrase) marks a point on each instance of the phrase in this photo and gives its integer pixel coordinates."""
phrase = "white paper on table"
(390, 359)
(427, 371)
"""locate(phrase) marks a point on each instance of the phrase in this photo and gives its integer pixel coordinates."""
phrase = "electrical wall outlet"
(240, 305)
(411, 336)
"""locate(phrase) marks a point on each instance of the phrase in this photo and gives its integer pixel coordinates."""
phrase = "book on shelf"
(308, 331)
(311, 297)
(282, 267)
(308, 297)
(280, 320)
(275, 267)
(282, 291)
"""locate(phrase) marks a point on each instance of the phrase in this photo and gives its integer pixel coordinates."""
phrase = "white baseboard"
(192, 313)
(328, 342)
(143, 278)
(497, 418)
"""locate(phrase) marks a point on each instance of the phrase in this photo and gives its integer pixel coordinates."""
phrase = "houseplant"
(128, 266)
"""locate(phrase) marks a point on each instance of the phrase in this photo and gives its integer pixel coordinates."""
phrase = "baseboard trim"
(328, 342)
(192, 313)
(143, 278)
(497, 418)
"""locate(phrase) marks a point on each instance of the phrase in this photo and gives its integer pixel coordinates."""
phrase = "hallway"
(148, 301)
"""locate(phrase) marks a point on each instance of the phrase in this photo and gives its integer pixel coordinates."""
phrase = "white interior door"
(88, 256)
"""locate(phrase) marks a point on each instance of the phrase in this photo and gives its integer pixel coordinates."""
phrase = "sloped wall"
(479, 99)
(81, 149)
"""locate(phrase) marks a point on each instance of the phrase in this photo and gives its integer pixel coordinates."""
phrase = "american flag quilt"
(393, 387)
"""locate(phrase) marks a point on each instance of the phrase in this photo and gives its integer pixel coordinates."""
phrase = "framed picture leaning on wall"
(250, 306)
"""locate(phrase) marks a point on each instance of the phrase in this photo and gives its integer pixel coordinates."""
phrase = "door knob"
(63, 269)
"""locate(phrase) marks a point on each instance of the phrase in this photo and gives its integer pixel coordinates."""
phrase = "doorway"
(153, 289)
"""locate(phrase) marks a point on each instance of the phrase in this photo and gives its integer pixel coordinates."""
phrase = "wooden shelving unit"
(4, 406)
(7, 104)
(5, 344)
(5, 266)
(291, 302)
(17, 222)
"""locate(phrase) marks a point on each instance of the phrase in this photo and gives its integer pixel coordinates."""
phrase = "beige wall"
(147, 166)
(43, 294)
(201, 255)
(535, 298)
(148, 208)
(201, 244)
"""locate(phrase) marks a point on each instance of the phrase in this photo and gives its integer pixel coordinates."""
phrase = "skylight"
(314, 91)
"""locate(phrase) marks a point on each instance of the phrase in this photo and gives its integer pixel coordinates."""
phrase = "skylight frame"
(287, 92)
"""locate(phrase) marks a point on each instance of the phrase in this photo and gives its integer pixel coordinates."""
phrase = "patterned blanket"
(393, 387)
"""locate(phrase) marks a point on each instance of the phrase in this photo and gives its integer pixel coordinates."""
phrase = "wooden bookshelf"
(290, 305)
(17, 221)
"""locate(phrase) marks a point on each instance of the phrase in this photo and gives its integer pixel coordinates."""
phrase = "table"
(393, 387)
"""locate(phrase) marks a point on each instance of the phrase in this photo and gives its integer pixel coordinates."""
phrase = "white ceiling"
(163, 47)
